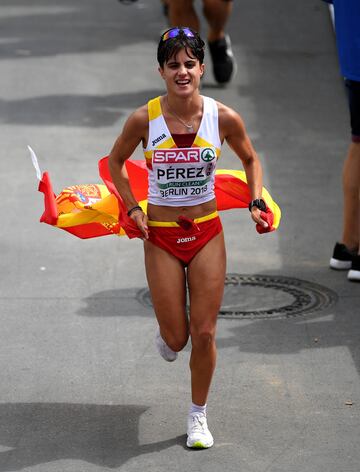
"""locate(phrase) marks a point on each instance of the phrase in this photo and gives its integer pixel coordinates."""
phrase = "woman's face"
(182, 73)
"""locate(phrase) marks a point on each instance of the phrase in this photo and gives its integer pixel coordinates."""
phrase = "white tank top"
(182, 176)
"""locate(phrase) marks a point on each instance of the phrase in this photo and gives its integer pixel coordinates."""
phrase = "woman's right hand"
(141, 220)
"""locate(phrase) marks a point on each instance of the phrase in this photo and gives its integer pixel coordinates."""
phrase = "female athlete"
(182, 133)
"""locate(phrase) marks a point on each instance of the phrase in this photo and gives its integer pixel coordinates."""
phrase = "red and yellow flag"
(93, 210)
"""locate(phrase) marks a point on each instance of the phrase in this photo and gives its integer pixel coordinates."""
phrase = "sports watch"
(258, 203)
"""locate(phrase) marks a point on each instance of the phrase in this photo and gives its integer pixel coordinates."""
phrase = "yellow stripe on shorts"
(174, 224)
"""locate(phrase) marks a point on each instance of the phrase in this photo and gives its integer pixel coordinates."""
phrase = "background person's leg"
(351, 189)
(351, 170)
(345, 253)
(217, 13)
(183, 14)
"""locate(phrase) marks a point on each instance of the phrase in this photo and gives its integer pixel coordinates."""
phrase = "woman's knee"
(176, 341)
(202, 337)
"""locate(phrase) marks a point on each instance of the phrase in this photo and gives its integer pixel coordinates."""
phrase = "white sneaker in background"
(354, 272)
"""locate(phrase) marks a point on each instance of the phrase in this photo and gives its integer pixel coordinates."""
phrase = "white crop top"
(182, 176)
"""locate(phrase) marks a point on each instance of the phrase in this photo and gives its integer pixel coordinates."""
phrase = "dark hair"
(172, 46)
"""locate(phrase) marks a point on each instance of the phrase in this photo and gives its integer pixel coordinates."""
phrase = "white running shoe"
(342, 257)
(165, 352)
(354, 272)
(198, 434)
(354, 275)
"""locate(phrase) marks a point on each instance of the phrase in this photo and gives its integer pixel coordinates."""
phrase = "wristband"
(258, 203)
(137, 207)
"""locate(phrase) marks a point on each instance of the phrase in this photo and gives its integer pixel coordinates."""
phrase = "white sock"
(197, 409)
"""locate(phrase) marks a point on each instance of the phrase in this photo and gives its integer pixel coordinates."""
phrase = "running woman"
(182, 133)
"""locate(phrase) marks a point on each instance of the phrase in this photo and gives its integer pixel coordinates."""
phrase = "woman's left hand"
(256, 216)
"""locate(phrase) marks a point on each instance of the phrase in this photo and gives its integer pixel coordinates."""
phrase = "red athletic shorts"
(184, 238)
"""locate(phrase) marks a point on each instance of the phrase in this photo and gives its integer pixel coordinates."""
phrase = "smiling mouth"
(182, 82)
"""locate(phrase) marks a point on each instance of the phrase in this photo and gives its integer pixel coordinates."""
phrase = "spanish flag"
(93, 210)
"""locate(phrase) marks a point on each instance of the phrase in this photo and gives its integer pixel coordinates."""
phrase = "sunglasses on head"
(174, 32)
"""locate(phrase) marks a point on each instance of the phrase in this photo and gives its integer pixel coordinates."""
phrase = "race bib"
(184, 172)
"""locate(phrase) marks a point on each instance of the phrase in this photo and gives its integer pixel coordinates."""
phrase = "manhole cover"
(267, 296)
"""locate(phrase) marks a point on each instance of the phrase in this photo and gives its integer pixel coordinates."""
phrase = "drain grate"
(267, 296)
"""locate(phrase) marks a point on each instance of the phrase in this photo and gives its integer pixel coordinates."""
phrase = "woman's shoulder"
(136, 123)
(142, 113)
(227, 115)
(138, 117)
(224, 111)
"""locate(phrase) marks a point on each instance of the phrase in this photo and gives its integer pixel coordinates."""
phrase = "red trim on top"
(184, 140)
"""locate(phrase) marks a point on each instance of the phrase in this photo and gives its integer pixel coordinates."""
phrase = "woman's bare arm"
(232, 129)
(134, 132)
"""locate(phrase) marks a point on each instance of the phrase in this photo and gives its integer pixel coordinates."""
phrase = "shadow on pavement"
(72, 110)
(322, 329)
(48, 28)
(122, 302)
(289, 336)
(106, 435)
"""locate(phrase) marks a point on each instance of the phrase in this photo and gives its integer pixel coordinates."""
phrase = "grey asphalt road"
(82, 386)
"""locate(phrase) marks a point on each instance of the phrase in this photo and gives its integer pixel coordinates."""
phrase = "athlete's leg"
(206, 275)
(351, 191)
(351, 170)
(183, 14)
(167, 284)
(217, 13)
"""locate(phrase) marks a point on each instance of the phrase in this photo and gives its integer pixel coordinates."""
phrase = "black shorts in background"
(353, 93)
